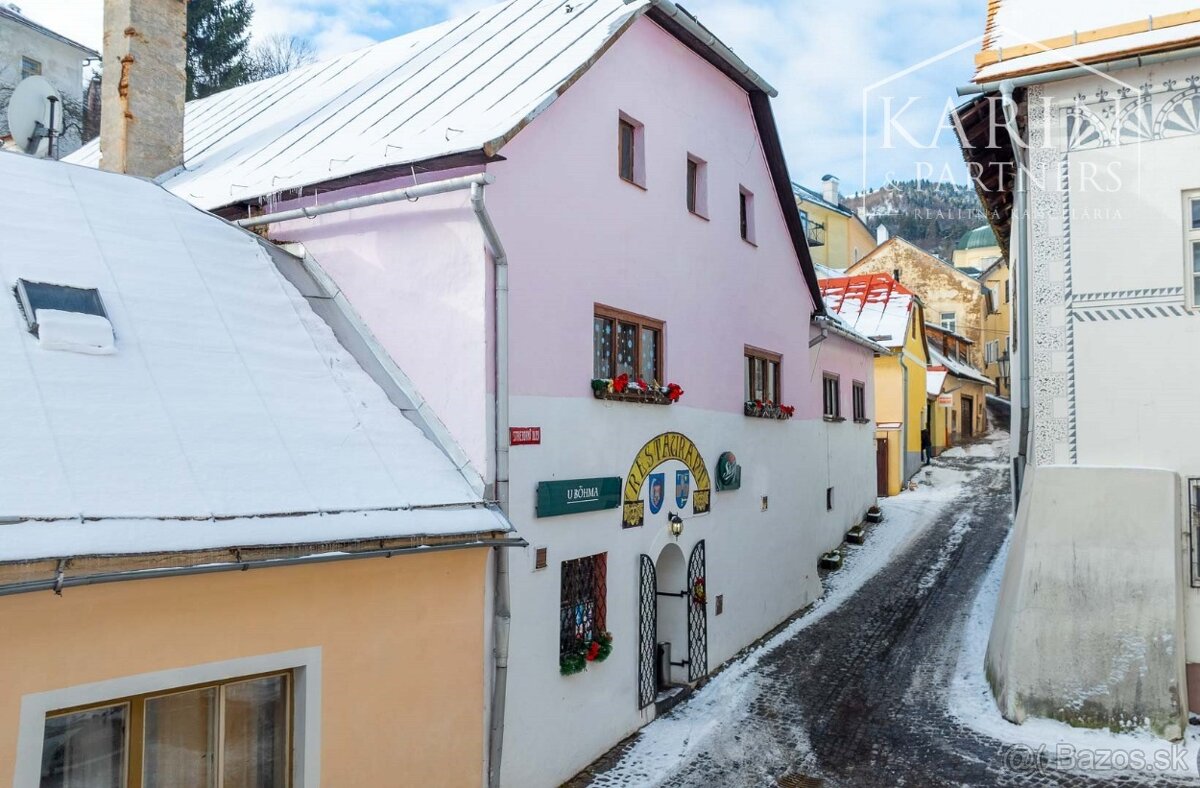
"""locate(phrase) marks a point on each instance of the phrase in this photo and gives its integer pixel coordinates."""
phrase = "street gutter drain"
(797, 780)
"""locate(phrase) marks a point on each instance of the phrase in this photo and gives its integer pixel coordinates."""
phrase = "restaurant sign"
(572, 496)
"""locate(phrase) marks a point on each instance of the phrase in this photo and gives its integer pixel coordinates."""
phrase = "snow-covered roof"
(224, 412)
(959, 369)
(935, 376)
(1024, 36)
(874, 305)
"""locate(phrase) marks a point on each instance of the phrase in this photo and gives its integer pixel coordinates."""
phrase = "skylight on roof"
(35, 296)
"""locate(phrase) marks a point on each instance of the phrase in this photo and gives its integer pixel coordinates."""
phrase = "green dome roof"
(978, 238)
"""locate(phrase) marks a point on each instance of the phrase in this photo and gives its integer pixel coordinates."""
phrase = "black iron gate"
(647, 633)
(697, 614)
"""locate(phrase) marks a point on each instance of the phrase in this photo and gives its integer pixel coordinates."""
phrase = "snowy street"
(881, 682)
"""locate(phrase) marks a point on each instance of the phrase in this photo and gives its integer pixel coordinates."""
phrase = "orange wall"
(401, 638)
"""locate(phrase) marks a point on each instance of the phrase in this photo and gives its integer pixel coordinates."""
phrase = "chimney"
(830, 190)
(145, 77)
(881, 234)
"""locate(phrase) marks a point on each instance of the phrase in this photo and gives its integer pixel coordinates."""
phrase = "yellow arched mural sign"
(668, 446)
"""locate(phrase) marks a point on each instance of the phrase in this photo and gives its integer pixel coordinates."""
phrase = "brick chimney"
(145, 78)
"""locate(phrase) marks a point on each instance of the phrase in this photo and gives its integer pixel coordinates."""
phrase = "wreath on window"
(583, 651)
(699, 594)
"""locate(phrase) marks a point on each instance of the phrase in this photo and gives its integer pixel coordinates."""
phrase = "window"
(626, 344)
(40, 295)
(746, 214)
(858, 394)
(762, 375)
(950, 322)
(697, 186)
(832, 398)
(583, 606)
(541, 558)
(1006, 291)
(829, 499)
(1194, 515)
(230, 734)
(631, 154)
(30, 67)
(896, 274)
(1192, 237)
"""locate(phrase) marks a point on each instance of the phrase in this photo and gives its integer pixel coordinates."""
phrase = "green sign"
(729, 473)
(572, 496)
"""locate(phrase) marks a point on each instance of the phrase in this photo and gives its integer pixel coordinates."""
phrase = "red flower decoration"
(674, 392)
(642, 385)
(593, 651)
(620, 383)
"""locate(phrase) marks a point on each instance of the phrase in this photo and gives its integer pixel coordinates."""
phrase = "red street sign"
(524, 436)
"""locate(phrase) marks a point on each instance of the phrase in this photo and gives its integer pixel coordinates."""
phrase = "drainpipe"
(502, 602)
(1017, 249)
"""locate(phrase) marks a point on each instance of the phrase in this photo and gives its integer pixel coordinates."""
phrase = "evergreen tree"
(218, 37)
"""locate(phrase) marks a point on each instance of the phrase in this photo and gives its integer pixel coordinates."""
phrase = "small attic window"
(35, 296)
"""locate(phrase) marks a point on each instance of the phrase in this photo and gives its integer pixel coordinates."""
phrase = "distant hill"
(931, 215)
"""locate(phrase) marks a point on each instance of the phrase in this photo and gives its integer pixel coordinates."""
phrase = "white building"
(29, 49)
(1099, 617)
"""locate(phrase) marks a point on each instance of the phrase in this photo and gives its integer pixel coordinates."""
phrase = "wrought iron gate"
(697, 614)
(647, 633)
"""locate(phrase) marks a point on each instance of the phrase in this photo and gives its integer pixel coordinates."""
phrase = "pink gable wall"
(577, 234)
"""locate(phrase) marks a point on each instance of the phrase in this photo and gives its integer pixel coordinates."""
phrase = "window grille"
(582, 612)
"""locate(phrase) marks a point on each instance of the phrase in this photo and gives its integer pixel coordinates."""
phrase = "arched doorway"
(672, 635)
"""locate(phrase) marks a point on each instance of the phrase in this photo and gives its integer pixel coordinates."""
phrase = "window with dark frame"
(693, 176)
(626, 344)
(1194, 519)
(761, 376)
(232, 732)
(858, 397)
(627, 133)
(30, 67)
(832, 397)
(829, 499)
(744, 215)
(583, 606)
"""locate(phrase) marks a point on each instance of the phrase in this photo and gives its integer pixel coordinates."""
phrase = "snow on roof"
(935, 376)
(458, 87)
(958, 369)
(1042, 36)
(227, 410)
(874, 305)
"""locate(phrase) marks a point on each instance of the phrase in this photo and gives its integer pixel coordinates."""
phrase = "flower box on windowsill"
(768, 410)
(621, 389)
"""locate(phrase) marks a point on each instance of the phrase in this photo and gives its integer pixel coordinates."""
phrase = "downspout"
(1017, 249)
(502, 602)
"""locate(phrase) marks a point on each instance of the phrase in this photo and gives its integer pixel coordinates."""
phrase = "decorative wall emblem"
(729, 473)
(657, 492)
(668, 446)
(683, 488)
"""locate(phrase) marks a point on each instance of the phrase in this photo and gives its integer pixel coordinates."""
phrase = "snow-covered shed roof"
(1028, 36)
(958, 369)
(874, 305)
(210, 408)
(935, 377)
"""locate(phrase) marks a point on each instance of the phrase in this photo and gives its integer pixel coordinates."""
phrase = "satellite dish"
(34, 110)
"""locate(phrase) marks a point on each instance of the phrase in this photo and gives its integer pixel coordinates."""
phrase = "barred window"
(582, 611)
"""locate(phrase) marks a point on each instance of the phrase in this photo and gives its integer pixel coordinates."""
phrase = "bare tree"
(279, 53)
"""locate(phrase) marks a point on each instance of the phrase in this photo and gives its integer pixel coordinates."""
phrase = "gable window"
(762, 375)
(858, 397)
(30, 67)
(697, 186)
(631, 154)
(832, 398)
(950, 322)
(583, 603)
(746, 214)
(626, 344)
(1191, 217)
(230, 733)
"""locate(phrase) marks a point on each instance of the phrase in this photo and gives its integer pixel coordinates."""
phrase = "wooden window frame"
(746, 225)
(642, 322)
(598, 596)
(750, 354)
(858, 401)
(637, 153)
(135, 730)
(696, 186)
(836, 380)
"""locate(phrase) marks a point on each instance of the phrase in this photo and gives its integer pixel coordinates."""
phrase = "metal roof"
(874, 305)
(978, 238)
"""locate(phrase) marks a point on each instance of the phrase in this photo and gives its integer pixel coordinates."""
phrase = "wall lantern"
(674, 524)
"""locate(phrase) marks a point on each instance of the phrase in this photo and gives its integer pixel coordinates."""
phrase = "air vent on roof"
(65, 318)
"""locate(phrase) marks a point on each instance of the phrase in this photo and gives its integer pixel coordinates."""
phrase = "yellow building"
(837, 238)
(879, 307)
(960, 390)
(997, 326)
(976, 249)
(227, 557)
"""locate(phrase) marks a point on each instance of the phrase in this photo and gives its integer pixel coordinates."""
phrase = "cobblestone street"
(860, 698)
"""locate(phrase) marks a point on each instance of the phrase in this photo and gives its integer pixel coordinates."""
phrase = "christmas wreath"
(576, 659)
(699, 594)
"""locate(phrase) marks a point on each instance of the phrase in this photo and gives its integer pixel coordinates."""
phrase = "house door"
(968, 416)
(881, 467)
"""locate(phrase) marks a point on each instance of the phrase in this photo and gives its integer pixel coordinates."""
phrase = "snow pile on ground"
(670, 741)
(987, 449)
(1056, 744)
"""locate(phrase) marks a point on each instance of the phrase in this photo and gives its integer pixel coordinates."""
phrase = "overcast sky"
(821, 57)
